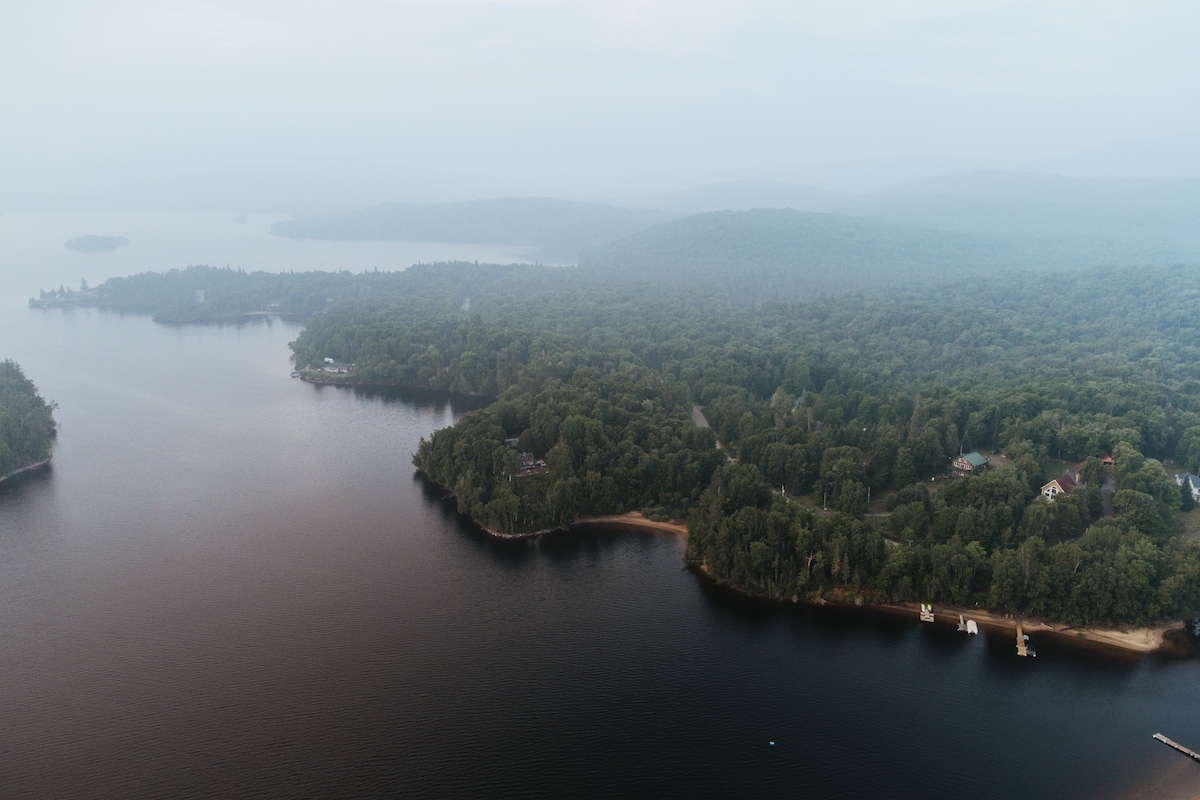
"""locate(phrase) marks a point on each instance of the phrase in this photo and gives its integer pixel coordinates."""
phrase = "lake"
(231, 584)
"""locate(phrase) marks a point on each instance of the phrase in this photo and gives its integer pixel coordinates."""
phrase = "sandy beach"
(29, 468)
(1132, 640)
(635, 519)
(1137, 640)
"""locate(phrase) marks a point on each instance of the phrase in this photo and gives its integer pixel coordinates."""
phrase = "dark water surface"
(230, 584)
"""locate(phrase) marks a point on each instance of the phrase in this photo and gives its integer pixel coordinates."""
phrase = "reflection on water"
(231, 584)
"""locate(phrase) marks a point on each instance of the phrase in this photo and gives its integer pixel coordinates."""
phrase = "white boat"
(972, 627)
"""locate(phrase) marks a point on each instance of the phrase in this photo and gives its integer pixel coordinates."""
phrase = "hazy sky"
(541, 95)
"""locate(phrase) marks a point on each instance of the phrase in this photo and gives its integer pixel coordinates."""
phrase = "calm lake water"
(230, 584)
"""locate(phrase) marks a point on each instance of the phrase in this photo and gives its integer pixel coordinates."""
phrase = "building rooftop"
(975, 459)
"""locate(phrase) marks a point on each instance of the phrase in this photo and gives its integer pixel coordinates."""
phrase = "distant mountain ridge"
(531, 221)
(1024, 219)
(770, 254)
(1053, 218)
(746, 195)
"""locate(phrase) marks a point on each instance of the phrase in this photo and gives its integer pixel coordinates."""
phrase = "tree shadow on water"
(16, 487)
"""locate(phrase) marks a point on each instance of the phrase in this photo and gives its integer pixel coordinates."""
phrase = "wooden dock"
(1021, 649)
(1192, 754)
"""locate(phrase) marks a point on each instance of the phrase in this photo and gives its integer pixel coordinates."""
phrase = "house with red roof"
(1063, 484)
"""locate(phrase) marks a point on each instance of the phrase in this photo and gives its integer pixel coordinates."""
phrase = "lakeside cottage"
(970, 463)
(1192, 480)
(1063, 484)
(529, 461)
(336, 367)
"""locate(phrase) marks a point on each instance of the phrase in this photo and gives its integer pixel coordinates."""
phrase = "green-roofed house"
(969, 464)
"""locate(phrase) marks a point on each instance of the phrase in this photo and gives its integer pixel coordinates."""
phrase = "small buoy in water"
(772, 744)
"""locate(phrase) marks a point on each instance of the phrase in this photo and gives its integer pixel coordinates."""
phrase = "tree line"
(26, 421)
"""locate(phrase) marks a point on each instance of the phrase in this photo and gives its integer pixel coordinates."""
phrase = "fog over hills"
(769, 254)
(562, 227)
(745, 195)
(1071, 137)
(1040, 219)
(323, 186)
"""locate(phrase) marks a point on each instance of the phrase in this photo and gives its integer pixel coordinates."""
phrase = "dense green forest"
(26, 421)
(617, 443)
(833, 398)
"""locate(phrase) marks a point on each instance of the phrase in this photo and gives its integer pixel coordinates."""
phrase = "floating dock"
(1192, 754)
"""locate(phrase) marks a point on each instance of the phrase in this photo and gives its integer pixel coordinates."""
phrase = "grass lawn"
(878, 500)
(1189, 524)
(1054, 468)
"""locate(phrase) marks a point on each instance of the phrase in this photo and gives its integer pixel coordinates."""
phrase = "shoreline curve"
(1139, 641)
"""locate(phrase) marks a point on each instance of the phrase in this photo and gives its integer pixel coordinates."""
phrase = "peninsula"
(959, 437)
(834, 416)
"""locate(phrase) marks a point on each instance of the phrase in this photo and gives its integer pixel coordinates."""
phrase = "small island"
(92, 243)
(27, 426)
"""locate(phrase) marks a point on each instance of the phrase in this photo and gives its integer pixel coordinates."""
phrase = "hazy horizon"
(252, 105)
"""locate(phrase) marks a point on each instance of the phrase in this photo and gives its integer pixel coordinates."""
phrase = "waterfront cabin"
(1193, 482)
(969, 464)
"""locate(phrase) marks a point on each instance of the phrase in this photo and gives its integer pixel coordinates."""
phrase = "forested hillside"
(767, 254)
(834, 399)
(1041, 219)
(26, 421)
